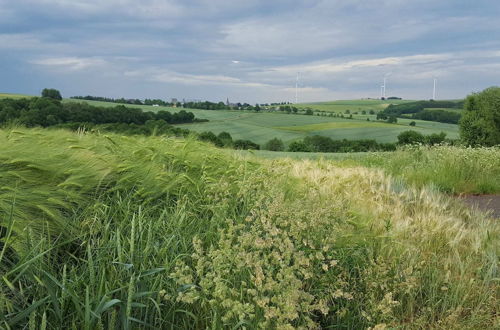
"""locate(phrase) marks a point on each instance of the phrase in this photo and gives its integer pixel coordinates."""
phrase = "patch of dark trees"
(318, 143)
(46, 111)
(126, 101)
(420, 110)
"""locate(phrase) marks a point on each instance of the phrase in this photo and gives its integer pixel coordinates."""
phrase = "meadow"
(451, 170)
(109, 231)
(263, 126)
(340, 106)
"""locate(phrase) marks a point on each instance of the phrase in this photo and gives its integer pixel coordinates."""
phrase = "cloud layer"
(249, 51)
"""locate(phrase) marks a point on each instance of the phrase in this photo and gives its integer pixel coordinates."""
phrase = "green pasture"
(263, 126)
(351, 105)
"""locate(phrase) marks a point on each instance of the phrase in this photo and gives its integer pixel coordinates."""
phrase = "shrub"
(245, 144)
(410, 137)
(480, 124)
(274, 145)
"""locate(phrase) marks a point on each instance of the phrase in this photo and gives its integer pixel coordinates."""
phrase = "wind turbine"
(384, 85)
(434, 90)
(297, 89)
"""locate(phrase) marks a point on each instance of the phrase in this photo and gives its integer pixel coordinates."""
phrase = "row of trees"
(422, 110)
(47, 111)
(224, 139)
(318, 143)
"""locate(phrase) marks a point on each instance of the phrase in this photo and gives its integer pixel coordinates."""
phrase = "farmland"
(261, 127)
(13, 96)
(341, 106)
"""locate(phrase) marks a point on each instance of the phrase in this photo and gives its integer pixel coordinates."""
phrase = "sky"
(250, 50)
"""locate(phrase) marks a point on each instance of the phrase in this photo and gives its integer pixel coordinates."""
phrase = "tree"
(299, 146)
(274, 145)
(309, 112)
(435, 138)
(392, 120)
(226, 138)
(51, 93)
(410, 137)
(413, 123)
(211, 137)
(480, 122)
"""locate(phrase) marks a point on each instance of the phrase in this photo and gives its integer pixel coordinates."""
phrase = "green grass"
(453, 170)
(341, 106)
(107, 231)
(261, 127)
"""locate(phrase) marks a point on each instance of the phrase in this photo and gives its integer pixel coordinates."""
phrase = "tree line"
(420, 110)
(46, 111)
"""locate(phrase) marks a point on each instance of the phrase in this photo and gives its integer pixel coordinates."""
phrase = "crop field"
(261, 127)
(109, 231)
(351, 105)
(13, 96)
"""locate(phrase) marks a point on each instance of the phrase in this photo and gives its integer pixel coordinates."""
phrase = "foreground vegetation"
(135, 232)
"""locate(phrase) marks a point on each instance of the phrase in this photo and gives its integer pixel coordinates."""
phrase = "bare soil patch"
(486, 203)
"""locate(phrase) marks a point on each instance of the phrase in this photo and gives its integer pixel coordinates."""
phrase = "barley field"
(108, 232)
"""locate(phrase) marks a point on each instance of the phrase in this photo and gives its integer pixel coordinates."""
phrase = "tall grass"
(451, 169)
(107, 232)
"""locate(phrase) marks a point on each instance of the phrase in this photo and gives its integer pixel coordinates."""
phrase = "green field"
(104, 231)
(261, 127)
(341, 106)
(13, 96)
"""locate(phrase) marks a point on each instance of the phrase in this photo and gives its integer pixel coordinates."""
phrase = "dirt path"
(484, 202)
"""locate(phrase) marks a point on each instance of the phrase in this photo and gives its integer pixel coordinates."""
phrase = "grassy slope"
(353, 105)
(105, 231)
(449, 169)
(261, 127)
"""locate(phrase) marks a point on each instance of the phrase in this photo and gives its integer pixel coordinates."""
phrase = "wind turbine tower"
(434, 89)
(382, 88)
(297, 89)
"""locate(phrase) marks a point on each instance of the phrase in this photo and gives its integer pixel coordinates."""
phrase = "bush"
(245, 144)
(480, 124)
(299, 146)
(212, 138)
(51, 94)
(412, 123)
(274, 145)
(410, 137)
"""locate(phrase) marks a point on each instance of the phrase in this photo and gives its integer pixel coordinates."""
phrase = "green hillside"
(261, 127)
(352, 105)
(107, 231)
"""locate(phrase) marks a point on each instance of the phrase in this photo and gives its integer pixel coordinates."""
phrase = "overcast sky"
(249, 50)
